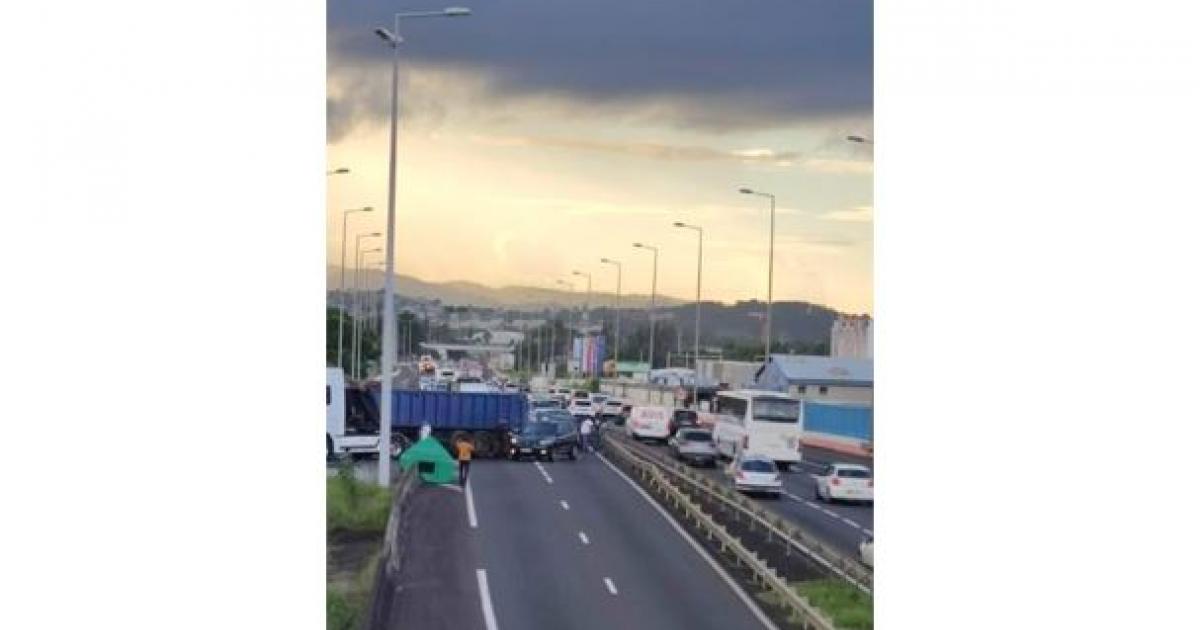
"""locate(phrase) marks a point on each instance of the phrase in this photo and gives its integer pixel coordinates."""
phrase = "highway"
(559, 545)
(842, 525)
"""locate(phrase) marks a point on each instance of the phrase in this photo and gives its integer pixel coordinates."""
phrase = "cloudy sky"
(538, 136)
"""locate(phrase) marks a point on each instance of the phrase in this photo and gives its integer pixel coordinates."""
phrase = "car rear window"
(696, 436)
(854, 473)
(758, 465)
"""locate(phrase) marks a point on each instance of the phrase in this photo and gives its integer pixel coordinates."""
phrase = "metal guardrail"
(845, 568)
(810, 618)
(388, 573)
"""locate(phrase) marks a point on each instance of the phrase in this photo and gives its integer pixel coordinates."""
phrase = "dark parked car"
(552, 433)
(682, 418)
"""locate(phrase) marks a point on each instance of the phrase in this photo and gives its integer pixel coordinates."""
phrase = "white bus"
(757, 421)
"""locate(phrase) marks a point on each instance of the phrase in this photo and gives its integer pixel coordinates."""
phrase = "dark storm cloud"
(725, 64)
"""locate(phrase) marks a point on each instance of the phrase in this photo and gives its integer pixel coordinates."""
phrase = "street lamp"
(342, 282)
(354, 306)
(860, 139)
(587, 311)
(617, 342)
(359, 309)
(770, 266)
(696, 351)
(389, 289)
(653, 297)
(337, 171)
(570, 334)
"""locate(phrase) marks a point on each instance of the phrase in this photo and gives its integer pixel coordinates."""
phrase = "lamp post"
(354, 302)
(342, 282)
(356, 334)
(653, 297)
(570, 287)
(617, 335)
(770, 266)
(696, 341)
(587, 314)
(337, 171)
(389, 289)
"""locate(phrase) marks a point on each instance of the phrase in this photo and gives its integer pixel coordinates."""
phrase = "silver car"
(694, 446)
(753, 473)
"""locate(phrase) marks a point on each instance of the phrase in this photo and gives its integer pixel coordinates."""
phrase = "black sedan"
(545, 438)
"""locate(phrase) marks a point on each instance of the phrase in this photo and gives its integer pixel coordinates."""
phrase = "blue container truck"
(488, 418)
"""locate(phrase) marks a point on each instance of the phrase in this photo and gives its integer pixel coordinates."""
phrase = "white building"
(851, 337)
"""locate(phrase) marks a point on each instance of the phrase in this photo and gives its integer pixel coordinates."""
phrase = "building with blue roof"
(819, 378)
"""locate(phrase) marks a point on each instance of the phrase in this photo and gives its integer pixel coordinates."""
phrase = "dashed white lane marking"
(545, 475)
(583, 538)
(850, 523)
(485, 600)
(612, 588)
(830, 513)
(565, 505)
(471, 507)
(733, 586)
(868, 532)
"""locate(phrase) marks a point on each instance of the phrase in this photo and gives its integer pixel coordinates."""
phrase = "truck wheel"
(485, 443)
(328, 447)
(571, 453)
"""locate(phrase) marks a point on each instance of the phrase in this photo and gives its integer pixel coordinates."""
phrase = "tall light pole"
(354, 303)
(617, 340)
(342, 282)
(337, 171)
(770, 266)
(696, 350)
(570, 337)
(653, 298)
(389, 287)
(356, 334)
(587, 313)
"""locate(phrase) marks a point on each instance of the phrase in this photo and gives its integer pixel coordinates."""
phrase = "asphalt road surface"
(561, 545)
(842, 525)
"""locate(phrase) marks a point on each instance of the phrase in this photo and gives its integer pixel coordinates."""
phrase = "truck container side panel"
(849, 421)
(457, 410)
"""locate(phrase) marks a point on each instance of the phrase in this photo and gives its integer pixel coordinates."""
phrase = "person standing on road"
(585, 433)
(464, 449)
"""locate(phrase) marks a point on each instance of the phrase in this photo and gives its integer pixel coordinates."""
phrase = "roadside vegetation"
(352, 506)
(356, 515)
(848, 607)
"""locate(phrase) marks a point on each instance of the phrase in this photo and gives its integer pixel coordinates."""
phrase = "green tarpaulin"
(433, 463)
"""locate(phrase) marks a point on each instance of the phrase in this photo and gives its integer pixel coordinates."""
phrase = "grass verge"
(848, 607)
(360, 510)
(355, 506)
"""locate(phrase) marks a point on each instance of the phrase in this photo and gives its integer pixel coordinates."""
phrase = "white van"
(351, 418)
(649, 423)
(763, 422)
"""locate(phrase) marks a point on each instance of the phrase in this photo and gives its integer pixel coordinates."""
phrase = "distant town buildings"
(851, 337)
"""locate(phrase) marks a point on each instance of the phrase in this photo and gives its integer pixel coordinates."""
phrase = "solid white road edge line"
(734, 586)
(471, 507)
(583, 537)
(612, 588)
(485, 600)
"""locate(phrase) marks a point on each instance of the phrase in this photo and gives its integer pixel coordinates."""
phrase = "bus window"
(776, 410)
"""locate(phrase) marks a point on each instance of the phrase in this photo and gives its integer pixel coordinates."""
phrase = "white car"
(649, 423)
(580, 408)
(598, 403)
(845, 482)
(755, 473)
(866, 551)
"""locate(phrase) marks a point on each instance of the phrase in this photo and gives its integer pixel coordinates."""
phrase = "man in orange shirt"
(464, 448)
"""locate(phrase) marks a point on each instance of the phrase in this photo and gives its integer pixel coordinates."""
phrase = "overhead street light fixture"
(342, 273)
(388, 351)
(338, 171)
(860, 139)
(770, 266)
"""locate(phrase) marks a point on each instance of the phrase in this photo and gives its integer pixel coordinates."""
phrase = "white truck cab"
(351, 418)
